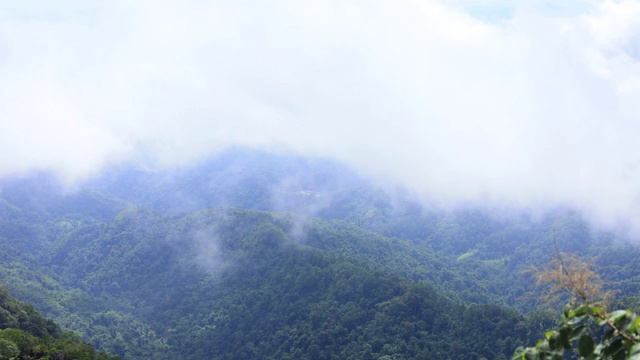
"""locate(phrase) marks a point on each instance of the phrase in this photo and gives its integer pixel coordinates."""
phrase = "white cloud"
(538, 106)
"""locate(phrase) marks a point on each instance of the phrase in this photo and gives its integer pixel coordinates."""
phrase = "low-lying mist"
(525, 106)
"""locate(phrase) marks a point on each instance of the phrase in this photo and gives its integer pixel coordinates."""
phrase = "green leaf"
(608, 335)
(576, 332)
(576, 319)
(582, 310)
(518, 354)
(596, 310)
(614, 347)
(549, 333)
(564, 336)
(586, 345)
(634, 352)
(623, 323)
(544, 348)
(530, 354)
(615, 315)
(554, 341)
(620, 354)
(524, 353)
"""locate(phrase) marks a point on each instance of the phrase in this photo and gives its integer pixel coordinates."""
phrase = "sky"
(525, 103)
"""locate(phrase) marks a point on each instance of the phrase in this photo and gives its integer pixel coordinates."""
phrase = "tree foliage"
(586, 328)
(25, 334)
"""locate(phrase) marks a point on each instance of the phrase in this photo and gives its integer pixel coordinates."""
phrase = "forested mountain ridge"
(265, 288)
(25, 334)
(148, 270)
(481, 246)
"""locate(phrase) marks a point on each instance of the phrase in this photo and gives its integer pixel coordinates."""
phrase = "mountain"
(25, 334)
(251, 255)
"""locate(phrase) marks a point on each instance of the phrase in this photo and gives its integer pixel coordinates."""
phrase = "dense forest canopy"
(25, 334)
(252, 255)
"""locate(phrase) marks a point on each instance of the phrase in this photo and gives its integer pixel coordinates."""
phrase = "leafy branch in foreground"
(585, 328)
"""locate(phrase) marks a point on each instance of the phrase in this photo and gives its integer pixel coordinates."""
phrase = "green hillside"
(25, 334)
(257, 288)
(232, 260)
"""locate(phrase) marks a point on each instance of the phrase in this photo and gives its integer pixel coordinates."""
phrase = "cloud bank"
(461, 101)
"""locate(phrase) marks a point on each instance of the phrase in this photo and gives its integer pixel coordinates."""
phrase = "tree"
(585, 328)
(8, 349)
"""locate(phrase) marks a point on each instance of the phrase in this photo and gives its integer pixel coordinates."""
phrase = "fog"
(463, 102)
